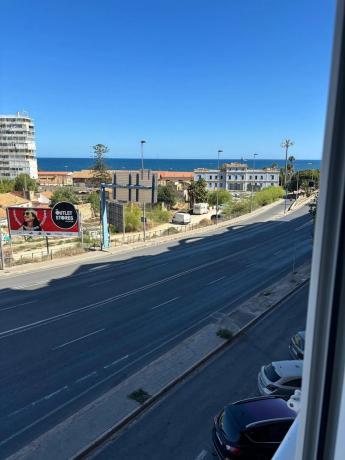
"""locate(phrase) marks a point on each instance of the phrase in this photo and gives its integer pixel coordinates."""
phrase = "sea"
(161, 164)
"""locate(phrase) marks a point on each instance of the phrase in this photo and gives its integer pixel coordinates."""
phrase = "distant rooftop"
(17, 115)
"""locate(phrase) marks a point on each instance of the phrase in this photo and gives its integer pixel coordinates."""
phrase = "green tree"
(224, 197)
(6, 185)
(63, 194)
(93, 199)
(191, 193)
(167, 194)
(201, 192)
(100, 170)
(304, 177)
(24, 182)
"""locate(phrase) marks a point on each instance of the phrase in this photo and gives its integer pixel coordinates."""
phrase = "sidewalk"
(123, 249)
(90, 426)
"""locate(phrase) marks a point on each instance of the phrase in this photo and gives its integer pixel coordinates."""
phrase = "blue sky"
(190, 76)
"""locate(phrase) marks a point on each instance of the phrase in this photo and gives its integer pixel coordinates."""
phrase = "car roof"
(258, 410)
(289, 368)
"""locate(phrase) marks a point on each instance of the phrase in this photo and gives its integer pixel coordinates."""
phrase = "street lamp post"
(142, 142)
(286, 145)
(251, 194)
(217, 204)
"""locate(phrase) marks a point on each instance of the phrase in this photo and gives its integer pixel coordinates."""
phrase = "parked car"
(280, 378)
(181, 218)
(296, 345)
(252, 428)
(200, 208)
(220, 214)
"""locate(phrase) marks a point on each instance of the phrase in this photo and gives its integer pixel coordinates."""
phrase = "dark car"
(252, 428)
(296, 345)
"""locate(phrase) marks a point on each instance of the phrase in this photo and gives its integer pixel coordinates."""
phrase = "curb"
(80, 258)
(132, 415)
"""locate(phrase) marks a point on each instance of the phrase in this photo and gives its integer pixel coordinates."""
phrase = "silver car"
(280, 378)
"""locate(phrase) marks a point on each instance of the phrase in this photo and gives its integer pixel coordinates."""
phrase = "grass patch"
(225, 334)
(139, 396)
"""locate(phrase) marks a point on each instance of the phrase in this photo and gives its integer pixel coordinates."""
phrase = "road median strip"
(88, 428)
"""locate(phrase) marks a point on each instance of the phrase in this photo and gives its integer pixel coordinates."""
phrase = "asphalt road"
(68, 334)
(179, 426)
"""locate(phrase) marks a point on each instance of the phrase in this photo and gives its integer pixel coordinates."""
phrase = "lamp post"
(286, 145)
(251, 194)
(217, 204)
(312, 171)
(142, 142)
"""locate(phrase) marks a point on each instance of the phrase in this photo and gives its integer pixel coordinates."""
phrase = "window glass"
(271, 374)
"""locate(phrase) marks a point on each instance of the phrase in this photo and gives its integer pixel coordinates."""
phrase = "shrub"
(170, 231)
(205, 222)
(132, 217)
(241, 206)
(225, 334)
(139, 395)
(268, 195)
(224, 197)
(159, 215)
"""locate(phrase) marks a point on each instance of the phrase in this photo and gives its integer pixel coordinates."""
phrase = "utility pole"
(217, 205)
(286, 145)
(251, 194)
(142, 142)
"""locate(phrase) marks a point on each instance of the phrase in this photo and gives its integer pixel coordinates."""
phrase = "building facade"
(17, 146)
(55, 178)
(237, 177)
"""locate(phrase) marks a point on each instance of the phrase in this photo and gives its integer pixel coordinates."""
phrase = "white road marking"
(86, 377)
(16, 306)
(34, 403)
(77, 340)
(110, 376)
(215, 281)
(202, 455)
(115, 362)
(98, 267)
(55, 392)
(101, 282)
(302, 226)
(192, 240)
(164, 303)
(108, 300)
(25, 327)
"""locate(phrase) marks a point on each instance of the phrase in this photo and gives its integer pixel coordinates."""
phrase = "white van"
(200, 208)
(181, 218)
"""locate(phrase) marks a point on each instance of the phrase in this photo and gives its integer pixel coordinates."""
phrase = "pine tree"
(100, 169)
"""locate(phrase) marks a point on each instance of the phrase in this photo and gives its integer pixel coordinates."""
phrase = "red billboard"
(61, 220)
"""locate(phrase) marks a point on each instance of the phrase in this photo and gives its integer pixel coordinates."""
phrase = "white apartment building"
(237, 177)
(17, 146)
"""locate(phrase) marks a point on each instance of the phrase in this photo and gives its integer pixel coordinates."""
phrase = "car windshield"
(271, 374)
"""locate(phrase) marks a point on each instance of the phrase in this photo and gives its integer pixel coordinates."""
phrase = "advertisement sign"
(61, 220)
